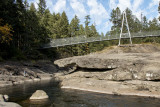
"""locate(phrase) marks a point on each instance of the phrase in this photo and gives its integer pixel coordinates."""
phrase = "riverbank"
(12, 73)
(126, 70)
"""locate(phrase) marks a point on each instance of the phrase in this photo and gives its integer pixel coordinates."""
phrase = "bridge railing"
(84, 39)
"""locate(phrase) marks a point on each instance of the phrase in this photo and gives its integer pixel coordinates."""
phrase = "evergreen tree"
(145, 23)
(41, 7)
(26, 4)
(47, 19)
(55, 25)
(116, 19)
(87, 28)
(87, 21)
(20, 29)
(8, 12)
(93, 31)
(130, 20)
(81, 30)
(74, 26)
(33, 27)
(153, 25)
(137, 26)
(64, 25)
(32, 8)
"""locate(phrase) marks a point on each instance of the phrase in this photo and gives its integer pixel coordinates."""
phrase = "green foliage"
(64, 25)
(116, 19)
(154, 25)
(87, 29)
(41, 7)
(74, 26)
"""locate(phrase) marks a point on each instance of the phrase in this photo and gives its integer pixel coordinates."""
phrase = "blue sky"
(99, 10)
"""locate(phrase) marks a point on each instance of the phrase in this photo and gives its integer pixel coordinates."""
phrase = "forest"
(24, 29)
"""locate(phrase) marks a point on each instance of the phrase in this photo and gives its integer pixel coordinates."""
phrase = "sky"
(100, 10)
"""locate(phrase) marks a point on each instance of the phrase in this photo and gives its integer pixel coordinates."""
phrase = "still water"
(72, 98)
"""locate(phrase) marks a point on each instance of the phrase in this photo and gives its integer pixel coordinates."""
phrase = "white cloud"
(78, 8)
(60, 6)
(112, 4)
(134, 5)
(137, 4)
(97, 11)
(50, 5)
(123, 4)
(154, 3)
(108, 25)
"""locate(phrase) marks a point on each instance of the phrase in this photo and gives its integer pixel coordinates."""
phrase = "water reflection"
(72, 98)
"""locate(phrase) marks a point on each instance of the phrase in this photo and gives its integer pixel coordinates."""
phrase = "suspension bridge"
(84, 39)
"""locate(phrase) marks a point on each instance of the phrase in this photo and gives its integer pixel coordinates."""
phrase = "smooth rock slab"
(39, 94)
(9, 104)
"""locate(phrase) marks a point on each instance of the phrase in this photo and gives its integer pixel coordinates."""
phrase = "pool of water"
(72, 98)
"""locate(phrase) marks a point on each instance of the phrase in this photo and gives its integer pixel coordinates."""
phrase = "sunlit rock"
(39, 94)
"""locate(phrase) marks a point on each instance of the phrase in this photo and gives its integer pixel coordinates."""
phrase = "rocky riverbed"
(125, 70)
(12, 73)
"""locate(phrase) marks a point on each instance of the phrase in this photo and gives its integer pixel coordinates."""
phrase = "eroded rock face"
(38, 95)
(88, 62)
(135, 73)
(12, 73)
(118, 67)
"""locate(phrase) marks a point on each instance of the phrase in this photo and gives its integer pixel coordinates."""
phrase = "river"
(71, 98)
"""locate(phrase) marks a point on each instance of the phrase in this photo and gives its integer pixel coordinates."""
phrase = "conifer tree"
(116, 19)
(87, 28)
(41, 7)
(64, 25)
(26, 4)
(74, 26)
(153, 25)
(32, 8)
(93, 31)
(55, 25)
(33, 26)
(81, 30)
(145, 23)
(20, 23)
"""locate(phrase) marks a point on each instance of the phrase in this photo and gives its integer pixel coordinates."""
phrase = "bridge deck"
(84, 39)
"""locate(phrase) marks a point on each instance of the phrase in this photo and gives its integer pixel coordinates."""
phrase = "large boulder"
(4, 98)
(39, 94)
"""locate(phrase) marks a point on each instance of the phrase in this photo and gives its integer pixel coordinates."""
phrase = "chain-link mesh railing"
(83, 39)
